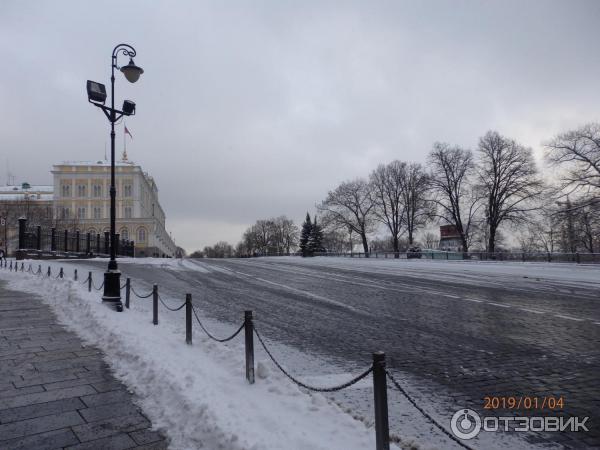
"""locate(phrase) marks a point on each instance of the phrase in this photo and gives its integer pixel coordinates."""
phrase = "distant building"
(82, 199)
(25, 200)
(450, 239)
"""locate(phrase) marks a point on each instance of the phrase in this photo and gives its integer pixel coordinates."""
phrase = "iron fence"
(39, 242)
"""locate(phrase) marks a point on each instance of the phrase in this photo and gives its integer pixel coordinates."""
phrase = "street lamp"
(97, 97)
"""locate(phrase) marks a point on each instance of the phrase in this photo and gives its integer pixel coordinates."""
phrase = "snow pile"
(197, 394)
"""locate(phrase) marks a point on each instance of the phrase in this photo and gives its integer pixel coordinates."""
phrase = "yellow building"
(82, 198)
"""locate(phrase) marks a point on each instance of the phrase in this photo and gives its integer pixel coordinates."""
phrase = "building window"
(124, 234)
(81, 213)
(128, 212)
(66, 190)
(97, 212)
(141, 235)
(127, 190)
(81, 190)
(97, 190)
(65, 213)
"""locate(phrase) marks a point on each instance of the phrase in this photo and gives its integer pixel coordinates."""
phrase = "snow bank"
(197, 394)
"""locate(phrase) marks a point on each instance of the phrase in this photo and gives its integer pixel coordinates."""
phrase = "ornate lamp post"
(97, 96)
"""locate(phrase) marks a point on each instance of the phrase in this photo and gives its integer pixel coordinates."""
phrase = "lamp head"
(96, 92)
(131, 71)
(128, 108)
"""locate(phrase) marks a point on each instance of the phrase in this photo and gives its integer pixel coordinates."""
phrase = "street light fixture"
(97, 97)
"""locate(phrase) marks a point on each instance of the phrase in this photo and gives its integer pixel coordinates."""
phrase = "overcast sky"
(255, 109)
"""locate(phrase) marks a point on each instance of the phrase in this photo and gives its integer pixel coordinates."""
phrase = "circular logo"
(465, 424)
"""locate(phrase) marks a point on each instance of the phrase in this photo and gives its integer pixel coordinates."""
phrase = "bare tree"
(349, 206)
(456, 199)
(387, 184)
(507, 176)
(430, 240)
(578, 151)
(418, 208)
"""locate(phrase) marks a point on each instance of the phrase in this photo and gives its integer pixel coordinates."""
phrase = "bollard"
(382, 428)
(60, 274)
(188, 319)
(11, 266)
(249, 334)
(155, 304)
(39, 269)
(127, 292)
(75, 277)
(90, 282)
(23, 266)
(49, 273)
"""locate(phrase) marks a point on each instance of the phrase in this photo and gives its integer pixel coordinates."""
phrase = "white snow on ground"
(566, 272)
(197, 394)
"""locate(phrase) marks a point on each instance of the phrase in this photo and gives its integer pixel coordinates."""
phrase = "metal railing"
(578, 258)
(38, 242)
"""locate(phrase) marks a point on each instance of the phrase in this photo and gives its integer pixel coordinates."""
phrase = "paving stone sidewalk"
(57, 393)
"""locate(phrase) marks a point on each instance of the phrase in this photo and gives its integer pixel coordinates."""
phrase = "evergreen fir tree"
(315, 240)
(305, 235)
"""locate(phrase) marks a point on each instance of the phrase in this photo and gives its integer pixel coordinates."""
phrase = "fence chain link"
(98, 288)
(210, 335)
(169, 308)
(306, 386)
(422, 411)
(140, 296)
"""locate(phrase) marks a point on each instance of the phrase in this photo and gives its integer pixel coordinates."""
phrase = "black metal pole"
(90, 282)
(188, 319)
(249, 335)
(155, 304)
(382, 428)
(127, 292)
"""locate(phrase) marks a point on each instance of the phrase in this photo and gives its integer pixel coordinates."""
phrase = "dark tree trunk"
(396, 244)
(365, 244)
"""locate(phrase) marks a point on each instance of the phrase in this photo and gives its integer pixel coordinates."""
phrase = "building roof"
(26, 191)
(95, 163)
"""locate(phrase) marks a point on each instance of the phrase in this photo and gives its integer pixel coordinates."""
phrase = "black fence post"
(578, 258)
(98, 243)
(75, 277)
(155, 304)
(22, 229)
(188, 319)
(40, 269)
(382, 428)
(127, 292)
(249, 334)
(117, 237)
(38, 240)
(52, 239)
(66, 248)
(22, 266)
(106, 242)
(10, 269)
(49, 272)
(77, 237)
(88, 246)
(60, 274)
(90, 282)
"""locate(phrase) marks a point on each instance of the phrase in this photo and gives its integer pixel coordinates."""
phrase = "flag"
(127, 132)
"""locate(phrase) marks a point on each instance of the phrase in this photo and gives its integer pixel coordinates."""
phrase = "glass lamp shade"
(131, 71)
